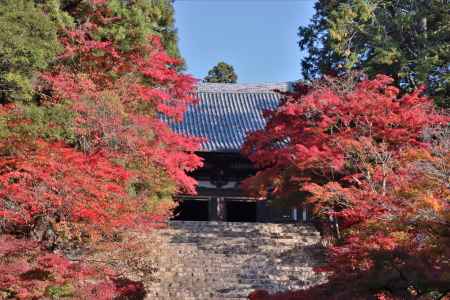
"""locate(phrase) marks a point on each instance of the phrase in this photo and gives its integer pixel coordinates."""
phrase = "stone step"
(224, 260)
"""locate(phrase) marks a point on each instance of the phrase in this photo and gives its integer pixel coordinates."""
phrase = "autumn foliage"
(90, 157)
(374, 166)
(31, 273)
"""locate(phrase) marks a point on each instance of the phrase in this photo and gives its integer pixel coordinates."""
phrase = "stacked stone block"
(223, 260)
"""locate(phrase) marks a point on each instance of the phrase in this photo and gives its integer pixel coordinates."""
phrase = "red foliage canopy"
(30, 273)
(122, 155)
(119, 95)
(106, 162)
(362, 155)
(310, 136)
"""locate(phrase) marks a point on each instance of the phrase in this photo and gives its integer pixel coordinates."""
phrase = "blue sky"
(258, 37)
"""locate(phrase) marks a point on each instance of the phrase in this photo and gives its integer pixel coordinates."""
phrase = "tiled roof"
(244, 87)
(227, 112)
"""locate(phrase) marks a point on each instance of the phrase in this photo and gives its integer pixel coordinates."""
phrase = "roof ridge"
(244, 87)
(240, 92)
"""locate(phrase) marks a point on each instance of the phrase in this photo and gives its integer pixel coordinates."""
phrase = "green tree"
(29, 32)
(135, 21)
(163, 17)
(28, 44)
(221, 73)
(406, 39)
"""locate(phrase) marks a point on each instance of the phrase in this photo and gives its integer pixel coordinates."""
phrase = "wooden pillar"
(294, 214)
(261, 211)
(217, 209)
(221, 209)
(212, 208)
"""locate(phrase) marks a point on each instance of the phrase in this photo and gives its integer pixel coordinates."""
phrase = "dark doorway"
(240, 211)
(191, 210)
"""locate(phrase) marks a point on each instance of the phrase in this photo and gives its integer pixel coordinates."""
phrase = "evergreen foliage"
(134, 21)
(221, 73)
(29, 30)
(28, 44)
(408, 40)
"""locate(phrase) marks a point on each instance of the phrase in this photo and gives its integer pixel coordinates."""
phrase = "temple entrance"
(192, 210)
(236, 209)
(241, 211)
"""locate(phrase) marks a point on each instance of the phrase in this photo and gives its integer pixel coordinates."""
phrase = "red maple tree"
(361, 155)
(91, 158)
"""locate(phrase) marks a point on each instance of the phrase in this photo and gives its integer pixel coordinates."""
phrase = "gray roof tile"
(226, 113)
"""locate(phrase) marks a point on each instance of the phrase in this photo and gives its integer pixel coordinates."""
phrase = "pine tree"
(28, 44)
(29, 30)
(134, 21)
(407, 40)
(221, 73)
